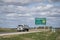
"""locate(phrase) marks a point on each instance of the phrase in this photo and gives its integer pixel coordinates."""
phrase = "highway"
(16, 33)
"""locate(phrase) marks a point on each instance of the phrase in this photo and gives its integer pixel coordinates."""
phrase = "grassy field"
(34, 36)
(7, 30)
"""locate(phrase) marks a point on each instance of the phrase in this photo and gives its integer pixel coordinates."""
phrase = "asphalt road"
(15, 33)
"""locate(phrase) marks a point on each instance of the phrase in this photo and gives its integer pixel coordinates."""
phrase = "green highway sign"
(40, 21)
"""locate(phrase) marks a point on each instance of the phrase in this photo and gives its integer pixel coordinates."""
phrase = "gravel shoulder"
(16, 33)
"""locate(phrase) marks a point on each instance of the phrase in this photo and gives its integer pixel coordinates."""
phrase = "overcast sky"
(15, 12)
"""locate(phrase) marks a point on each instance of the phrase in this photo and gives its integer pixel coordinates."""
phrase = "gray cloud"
(23, 2)
(41, 10)
(18, 2)
(53, 21)
(13, 12)
(54, 0)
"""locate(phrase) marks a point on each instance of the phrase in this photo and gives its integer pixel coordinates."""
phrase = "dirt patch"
(8, 36)
(58, 38)
(39, 29)
(28, 39)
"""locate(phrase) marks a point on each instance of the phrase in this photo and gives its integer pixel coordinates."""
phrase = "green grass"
(34, 36)
(7, 30)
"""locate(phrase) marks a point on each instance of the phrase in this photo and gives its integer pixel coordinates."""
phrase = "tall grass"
(34, 36)
(7, 30)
